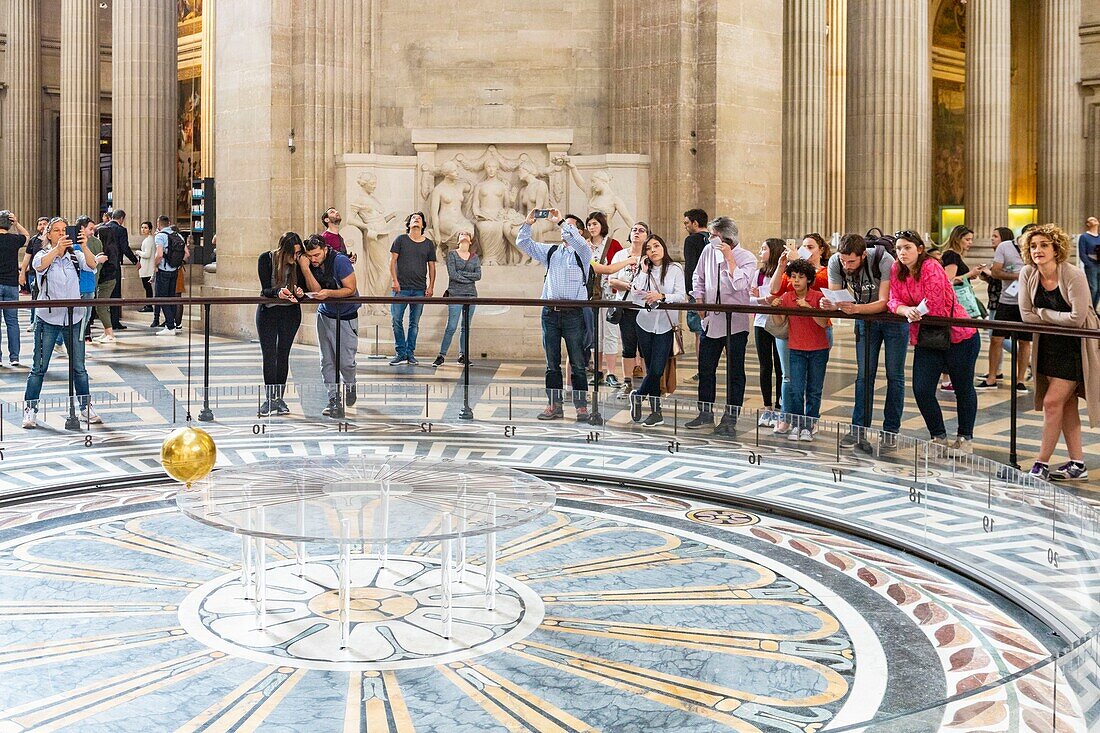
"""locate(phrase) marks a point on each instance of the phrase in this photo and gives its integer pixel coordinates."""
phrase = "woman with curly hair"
(1066, 368)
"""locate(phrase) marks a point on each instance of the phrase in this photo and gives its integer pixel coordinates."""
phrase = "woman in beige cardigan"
(1054, 292)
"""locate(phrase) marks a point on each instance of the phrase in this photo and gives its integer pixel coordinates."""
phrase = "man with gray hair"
(724, 275)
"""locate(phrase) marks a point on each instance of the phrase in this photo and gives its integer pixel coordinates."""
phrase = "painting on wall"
(188, 145)
(948, 144)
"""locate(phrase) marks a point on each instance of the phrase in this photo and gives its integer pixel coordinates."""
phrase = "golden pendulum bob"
(188, 455)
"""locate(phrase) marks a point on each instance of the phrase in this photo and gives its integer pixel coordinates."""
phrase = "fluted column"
(143, 123)
(804, 106)
(207, 99)
(988, 116)
(1061, 139)
(23, 112)
(836, 95)
(79, 108)
(889, 122)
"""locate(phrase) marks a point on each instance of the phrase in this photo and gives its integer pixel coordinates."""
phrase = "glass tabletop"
(353, 499)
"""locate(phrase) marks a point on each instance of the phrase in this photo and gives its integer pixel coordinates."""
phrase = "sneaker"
(30, 418)
(637, 373)
(795, 435)
(943, 442)
(727, 427)
(766, 419)
(806, 435)
(146, 309)
(89, 415)
(963, 446)
(334, 409)
(1040, 471)
(582, 414)
(849, 440)
(702, 420)
(399, 360)
(438, 361)
(552, 412)
(349, 395)
(984, 384)
(462, 359)
(1027, 377)
(635, 407)
(612, 381)
(15, 363)
(154, 324)
(781, 428)
(1070, 471)
(695, 377)
(266, 409)
(105, 339)
(1021, 388)
(654, 419)
(281, 407)
(947, 387)
(887, 441)
(412, 360)
(121, 327)
(166, 332)
(624, 391)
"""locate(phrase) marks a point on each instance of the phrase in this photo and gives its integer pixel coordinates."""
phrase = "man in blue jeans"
(10, 244)
(865, 273)
(412, 271)
(566, 278)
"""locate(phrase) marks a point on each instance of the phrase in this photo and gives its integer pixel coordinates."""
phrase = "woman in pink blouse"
(917, 278)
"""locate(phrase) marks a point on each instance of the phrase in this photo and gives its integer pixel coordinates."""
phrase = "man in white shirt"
(723, 276)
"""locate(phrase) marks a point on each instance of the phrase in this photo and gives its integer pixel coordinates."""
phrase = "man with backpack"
(170, 255)
(567, 269)
(862, 267)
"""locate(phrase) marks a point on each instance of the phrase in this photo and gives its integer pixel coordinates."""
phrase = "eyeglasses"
(908, 234)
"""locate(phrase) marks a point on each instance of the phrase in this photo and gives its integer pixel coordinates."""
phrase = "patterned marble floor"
(637, 612)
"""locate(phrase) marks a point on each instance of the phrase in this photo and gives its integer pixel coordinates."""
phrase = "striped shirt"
(565, 279)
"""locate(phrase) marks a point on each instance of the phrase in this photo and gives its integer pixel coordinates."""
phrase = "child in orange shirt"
(809, 352)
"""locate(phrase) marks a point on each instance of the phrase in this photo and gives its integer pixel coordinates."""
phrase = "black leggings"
(276, 327)
(768, 357)
(147, 283)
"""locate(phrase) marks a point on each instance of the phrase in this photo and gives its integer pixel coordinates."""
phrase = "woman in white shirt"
(145, 259)
(659, 280)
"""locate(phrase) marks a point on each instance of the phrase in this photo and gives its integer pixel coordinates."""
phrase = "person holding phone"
(58, 268)
(277, 323)
(330, 276)
(11, 242)
(87, 240)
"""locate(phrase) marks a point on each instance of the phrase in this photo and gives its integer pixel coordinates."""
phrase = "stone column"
(988, 117)
(23, 113)
(79, 108)
(207, 91)
(836, 81)
(889, 117)
(804, 117)
(144, 108)
(1061, 139)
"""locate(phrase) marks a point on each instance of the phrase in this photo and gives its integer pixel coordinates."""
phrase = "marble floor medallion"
(395, 615)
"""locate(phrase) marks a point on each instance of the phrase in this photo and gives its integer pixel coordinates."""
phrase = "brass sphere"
(188, 455)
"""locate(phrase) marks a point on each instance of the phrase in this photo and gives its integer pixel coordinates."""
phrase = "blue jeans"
(568, 325)
(782, 347)
(958, 362)
(454, 317)
(10, 293)
(45, 337)
(1092, 274)
(406, 345)
(655, 348)
(804, 390)
(86, 322)
(166, 288)
(895, 336)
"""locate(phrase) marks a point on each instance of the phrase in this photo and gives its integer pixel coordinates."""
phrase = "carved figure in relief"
(535, 194)
(369, 216)
(490, 210)
(445, 207)
(601, 194)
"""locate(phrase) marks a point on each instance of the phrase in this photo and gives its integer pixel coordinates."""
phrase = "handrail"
(978, 323)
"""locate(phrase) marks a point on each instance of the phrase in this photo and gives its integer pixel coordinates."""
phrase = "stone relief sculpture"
(445, 207)
(369, 216)
(490, 212)
(601, 194)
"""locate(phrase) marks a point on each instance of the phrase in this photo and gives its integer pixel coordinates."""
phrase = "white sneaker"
(30, 418)
(793, 435)
(89, 415)
(166, 332)
(105, 339)
(963, 446)
(806, 435)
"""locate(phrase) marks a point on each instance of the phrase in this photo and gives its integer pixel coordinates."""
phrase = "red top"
(935, 289)
(805, 334)
(821, 282)
(613, 248)
(334, 240)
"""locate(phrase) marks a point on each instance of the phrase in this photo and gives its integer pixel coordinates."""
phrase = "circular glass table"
(365, 501)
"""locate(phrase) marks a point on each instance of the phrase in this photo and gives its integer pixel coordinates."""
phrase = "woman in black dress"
(1053, 291)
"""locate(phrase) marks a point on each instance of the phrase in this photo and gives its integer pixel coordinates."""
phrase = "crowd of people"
(1031, 279)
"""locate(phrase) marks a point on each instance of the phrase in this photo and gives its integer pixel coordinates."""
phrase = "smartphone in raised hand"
(542, 213)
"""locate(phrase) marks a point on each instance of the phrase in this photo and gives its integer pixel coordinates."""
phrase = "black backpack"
(592, 285)
(887, 241)
(175, 251)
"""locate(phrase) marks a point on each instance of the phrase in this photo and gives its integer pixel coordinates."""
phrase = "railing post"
(466, 413)
(1013, 459)
(595, 418)
(71, 422)
(868, 390)
(206, 414)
